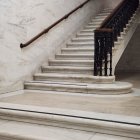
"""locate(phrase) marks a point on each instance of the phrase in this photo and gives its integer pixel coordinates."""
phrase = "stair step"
(107, 9)
(67, 70)
(86, 39)
(23, 130)
(85, 35)
(115, 88)
(83, 50)
(101, 16)
(106, 12)
(72, 63)
(97, 20)
(80, 44)
(76, 78)
(87, 31)
(61, 86)
(74, 56)
(91, 26)
(95, 23)
(43, 122)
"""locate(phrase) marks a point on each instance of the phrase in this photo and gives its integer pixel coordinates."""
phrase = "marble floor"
(21, 130)
(125, 105)
(128, 104)
(122, 105)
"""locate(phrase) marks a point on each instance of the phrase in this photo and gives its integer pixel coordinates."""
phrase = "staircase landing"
(128, 104)
(75, 113)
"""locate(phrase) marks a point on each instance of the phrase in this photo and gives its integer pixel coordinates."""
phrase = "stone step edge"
(13, 136)
(116, 88)
(96, 79)
(74, 122)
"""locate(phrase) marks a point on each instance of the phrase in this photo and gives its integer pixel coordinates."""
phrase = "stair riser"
(91, 27)
(77, 51)
(75, 89)
(101, 17)
(83, 40)
(74, 58)
(82, 35)
(68, 71)
(102, 14)
(98, 20)
(95, 23)
(75, 64)
(87, 31)
(80, 46)
(59, 79)
(92, 125)
(56, 88)
(71, 79)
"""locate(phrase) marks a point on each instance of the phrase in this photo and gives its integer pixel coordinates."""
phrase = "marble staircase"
(66, 102)
(72, 68)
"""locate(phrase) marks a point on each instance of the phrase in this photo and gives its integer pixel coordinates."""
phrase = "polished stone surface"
(19, 130)
(109, 137)
(21, 20)
(122, 105)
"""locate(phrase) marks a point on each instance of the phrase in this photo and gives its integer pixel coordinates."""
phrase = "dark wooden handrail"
(53, 25)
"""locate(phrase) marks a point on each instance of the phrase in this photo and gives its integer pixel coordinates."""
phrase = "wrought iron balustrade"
(107, 34)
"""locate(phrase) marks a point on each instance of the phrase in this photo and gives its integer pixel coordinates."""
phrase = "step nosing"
(53, 84)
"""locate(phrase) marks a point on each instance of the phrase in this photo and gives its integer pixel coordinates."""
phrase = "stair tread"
(56, 83)
(17, 130)
(65, 75)
(98, 19)
(84, 61)
(113, 86)
(98, 16)
(81, 43)
(92, 26)
(86, 48)
(84, 55)
(68, 67)
(74, 56)
(89, 76)
(90, 34)
(83, 38)
(87, 30)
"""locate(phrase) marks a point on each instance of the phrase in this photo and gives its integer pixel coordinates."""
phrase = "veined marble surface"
(20, 20)
(19, 131)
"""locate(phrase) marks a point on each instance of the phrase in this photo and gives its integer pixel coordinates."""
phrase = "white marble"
(20, 20)
(19, 130)
(109, 137)
(3, 121)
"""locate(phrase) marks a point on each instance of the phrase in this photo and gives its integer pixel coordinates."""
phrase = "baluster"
(108, 33)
